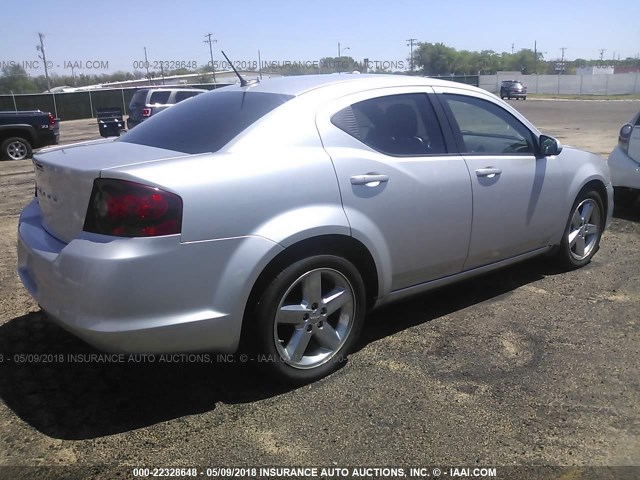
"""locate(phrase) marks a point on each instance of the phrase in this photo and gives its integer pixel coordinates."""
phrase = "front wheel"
(309, 318)
(581, 238)
(15, 148)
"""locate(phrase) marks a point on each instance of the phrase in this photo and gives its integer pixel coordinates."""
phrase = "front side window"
(399, 125)
(487, 129)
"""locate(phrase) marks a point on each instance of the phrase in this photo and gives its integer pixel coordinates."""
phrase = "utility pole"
(562, 61)
(410, 45)
(535, 57)
(40, 48)
(512, 47)
(146, 64)
(340, 55)
(209, 40)
(602, 50)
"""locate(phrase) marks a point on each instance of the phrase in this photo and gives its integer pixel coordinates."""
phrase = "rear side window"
(398, 125)
(205, 124)
(184, 94)
(159, 97)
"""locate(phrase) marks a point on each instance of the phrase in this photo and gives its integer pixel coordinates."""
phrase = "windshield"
(206, 122)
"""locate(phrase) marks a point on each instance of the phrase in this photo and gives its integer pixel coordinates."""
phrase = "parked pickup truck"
(22, 131)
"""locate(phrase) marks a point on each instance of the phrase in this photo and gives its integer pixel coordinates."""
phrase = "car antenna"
(243, 82)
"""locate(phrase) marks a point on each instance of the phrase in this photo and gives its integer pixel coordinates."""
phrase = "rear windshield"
(206, 123)
(139, 97)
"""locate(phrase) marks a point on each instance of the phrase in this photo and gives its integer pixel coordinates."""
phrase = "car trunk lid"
(64, 179)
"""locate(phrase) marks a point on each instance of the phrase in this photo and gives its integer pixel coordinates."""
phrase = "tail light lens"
(127, 209)
(52, 122)
(625, 135)
(146, 112)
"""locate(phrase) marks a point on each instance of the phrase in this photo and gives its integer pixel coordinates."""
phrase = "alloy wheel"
(314, 318)
(584, 230)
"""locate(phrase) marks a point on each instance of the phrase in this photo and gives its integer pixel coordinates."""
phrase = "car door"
(517, 193)
(405, 197)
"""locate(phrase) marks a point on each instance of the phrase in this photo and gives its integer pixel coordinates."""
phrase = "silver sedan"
(272, 216)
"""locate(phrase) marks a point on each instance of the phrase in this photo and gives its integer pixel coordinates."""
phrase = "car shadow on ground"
(443, 301)
(50, 379)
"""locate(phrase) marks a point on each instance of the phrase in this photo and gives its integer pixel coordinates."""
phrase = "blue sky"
(79, 31)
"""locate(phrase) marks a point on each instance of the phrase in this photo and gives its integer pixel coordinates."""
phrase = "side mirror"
(549, 146)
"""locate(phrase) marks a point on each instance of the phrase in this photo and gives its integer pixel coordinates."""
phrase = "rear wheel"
(624, 197)
(15, 148)
(309, 318)
(581, 239)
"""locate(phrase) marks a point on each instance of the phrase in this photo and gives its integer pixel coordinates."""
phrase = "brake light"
(624, 137)
(128, 209)
(146, 112)
(52, 122)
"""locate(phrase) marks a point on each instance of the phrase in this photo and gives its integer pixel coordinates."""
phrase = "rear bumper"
(624, 171)
(47, 138)
(141, 295)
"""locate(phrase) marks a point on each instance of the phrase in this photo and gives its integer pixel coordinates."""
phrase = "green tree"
(435, 58)
(15, 79)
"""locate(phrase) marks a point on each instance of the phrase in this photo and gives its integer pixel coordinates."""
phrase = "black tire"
(324, 337)
(583, 231)
(624, 197)
(15, 148)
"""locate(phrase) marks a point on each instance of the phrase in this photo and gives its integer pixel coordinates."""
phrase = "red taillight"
(146, 112)
(52, 121)
(128, 209)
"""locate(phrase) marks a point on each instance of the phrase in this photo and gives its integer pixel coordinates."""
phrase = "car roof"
(171, 89)
(298, 85)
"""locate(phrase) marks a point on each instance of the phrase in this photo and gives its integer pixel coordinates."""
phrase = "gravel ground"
(526, 366)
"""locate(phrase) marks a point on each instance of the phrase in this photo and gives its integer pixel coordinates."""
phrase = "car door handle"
(488, 172)
(369, 179)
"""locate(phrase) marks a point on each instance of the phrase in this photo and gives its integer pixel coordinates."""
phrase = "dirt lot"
(527, 366)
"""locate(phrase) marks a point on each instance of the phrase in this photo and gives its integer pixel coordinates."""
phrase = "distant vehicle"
(110, 122)
(624, 162)
(280, 212)
(149, 101)
(513, 89)
(23, 131)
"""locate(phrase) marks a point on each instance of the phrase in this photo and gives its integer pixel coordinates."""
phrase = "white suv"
(149, 101)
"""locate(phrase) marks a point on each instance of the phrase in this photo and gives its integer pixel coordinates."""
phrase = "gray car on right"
(624, 162)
